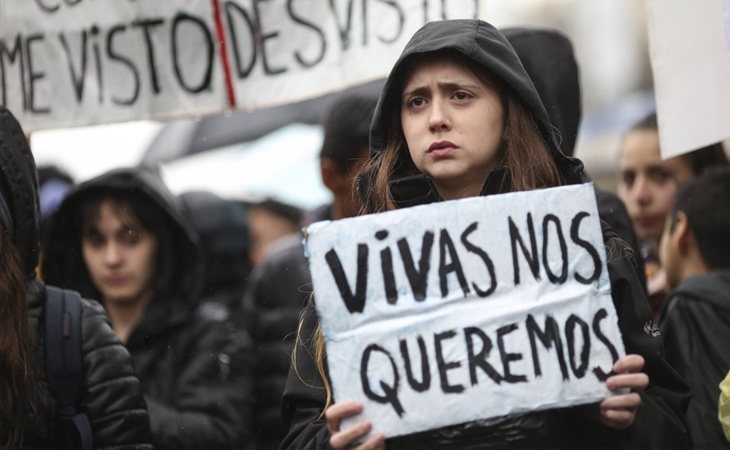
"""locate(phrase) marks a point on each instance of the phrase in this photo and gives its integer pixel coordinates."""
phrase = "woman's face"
(119, 255)
(647, 185)
(452, 122)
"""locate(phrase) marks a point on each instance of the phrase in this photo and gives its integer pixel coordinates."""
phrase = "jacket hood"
(548, 58)
(484, 45)
(712, 287)
(178, 270)
(19, 191)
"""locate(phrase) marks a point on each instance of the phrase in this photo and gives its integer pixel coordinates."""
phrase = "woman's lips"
(441, 149)
(116, 280)
(648, 221)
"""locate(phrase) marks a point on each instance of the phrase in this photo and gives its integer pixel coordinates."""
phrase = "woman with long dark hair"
(459, 117)
(29, 417)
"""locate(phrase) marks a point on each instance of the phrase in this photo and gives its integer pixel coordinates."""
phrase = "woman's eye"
(416, 102)
(94, 241)
(132, 236)
(461, 95)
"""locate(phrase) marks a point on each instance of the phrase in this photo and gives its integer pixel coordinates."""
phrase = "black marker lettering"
(579, 370)
(446, 245)
(444, 366)
(485, 258)
(479, 359)
(354, 302)
(390, 393)
(425, 383)
(574, 227)
(531, 255)
(418, 278)
(549, 336)
(563, 276)
(506, 358)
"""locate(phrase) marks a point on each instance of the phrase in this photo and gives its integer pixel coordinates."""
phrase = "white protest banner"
(689, 58)
(469, 309)
(83, 62)
(306, 48)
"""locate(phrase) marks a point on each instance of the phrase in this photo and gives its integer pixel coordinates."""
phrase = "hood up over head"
(19, 213)
(548, 58)
(485, 46)
(178, 269)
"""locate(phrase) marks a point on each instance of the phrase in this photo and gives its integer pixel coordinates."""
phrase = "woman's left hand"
(619, 411)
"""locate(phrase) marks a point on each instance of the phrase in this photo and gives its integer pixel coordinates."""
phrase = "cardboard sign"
(463, 310)
(691, 73)
(83, 62)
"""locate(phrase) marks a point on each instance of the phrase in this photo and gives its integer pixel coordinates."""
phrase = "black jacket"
(194, 372)
(111, 394)
(658, 421)
(696, 328)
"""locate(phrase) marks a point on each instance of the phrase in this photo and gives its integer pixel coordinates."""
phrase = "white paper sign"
(689, 58)
(83, 62)
(462, 310)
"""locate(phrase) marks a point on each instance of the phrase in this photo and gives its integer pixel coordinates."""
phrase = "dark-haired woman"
(29, 417)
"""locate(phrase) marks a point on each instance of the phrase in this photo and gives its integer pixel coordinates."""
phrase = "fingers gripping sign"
(619, 411)
(352, 436)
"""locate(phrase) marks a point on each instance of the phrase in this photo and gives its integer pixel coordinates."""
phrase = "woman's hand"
(347, 438)
(619, 411)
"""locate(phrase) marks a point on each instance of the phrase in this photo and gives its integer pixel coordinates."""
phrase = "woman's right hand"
(341, 439)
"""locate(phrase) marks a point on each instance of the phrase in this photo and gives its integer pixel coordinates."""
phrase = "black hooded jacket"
(696, 328)
(111, 395)
(659, 420)
(194, 372)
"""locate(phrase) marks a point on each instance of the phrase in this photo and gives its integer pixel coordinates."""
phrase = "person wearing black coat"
(695, 253)
(475, 51)
(111, 394)
(121, 237)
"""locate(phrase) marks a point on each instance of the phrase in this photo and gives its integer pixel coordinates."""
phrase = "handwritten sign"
(691, 73)
(484, 306)
(82, 62)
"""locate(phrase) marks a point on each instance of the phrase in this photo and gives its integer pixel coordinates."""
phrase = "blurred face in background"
(265, 228)
(647, 184)
(120, 255)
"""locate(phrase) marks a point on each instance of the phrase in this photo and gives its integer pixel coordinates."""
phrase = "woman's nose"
(642, 191)
(112, 254)
(438, 119)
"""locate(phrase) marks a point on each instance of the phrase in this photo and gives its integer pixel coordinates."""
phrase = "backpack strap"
(64, 359)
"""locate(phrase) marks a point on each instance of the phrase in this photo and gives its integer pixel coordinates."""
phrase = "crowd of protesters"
(197, 325)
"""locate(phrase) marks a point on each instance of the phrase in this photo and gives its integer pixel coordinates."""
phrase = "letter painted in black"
(12, 55)
(33, 75)
(563, 276)
(548, 336)
(115, 56)
(262, 38)
(574, 227)
(322, 39)
(147, 25)
(344, 30)
(94, 33)
(390, 393)
(418, 278)
(598, 372)
(386, 268)
(77, 77)
(444, 366)
(479, 359)
(49, 9)
(253, 29)
(485, 258)
(207, 59)
(506, 358)
(579, 370)
(531, 255)
(446, 245)
(401, 20)
(354, 302)
(425, 383)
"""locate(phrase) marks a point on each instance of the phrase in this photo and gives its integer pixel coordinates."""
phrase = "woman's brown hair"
(18, 399)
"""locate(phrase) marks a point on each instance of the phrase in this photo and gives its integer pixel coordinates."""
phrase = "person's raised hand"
(342, 439)
(619, 411)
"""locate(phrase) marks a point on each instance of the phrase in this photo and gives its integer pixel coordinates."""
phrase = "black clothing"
(111, 394)
(658, 421)
(277, 292)
(696, 328)
(223, 232)
(194, 371)
(548, 58)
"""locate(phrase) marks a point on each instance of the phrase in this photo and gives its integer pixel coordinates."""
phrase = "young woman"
(647, 187)
(459, 117)
(121, 238)
(28, 415)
